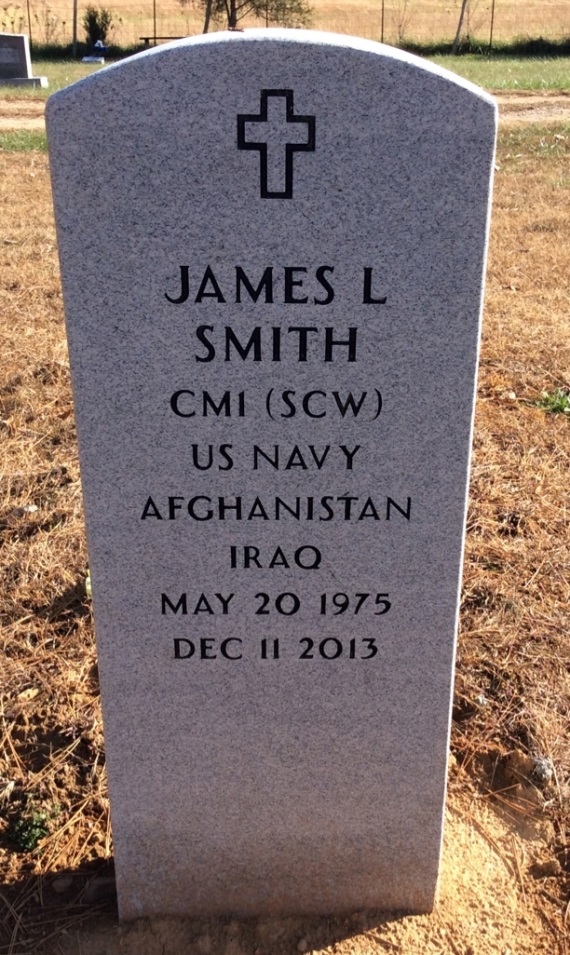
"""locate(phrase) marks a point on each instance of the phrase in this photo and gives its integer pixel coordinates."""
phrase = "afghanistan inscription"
(274, 391)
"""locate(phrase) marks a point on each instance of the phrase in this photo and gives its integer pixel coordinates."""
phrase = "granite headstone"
(15, 62)
(273, 323)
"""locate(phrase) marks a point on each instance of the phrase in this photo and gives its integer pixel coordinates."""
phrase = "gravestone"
(273, 324)
(15, 62)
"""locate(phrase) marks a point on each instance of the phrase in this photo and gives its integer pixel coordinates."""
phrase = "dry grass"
(51, 744)
(420, 20)
(513, 686)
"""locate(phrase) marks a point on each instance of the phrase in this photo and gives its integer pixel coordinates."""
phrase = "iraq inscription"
(273, 328)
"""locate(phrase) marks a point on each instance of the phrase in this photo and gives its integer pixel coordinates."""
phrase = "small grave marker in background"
(15, 62)
(274, 389)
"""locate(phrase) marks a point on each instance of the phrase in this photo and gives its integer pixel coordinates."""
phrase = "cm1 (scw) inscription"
(274, 403)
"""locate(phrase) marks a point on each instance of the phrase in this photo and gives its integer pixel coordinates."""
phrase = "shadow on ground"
(76, 911)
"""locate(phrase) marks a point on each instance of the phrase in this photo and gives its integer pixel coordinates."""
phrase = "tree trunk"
(455, 46)
(232, 18)
(207, 15)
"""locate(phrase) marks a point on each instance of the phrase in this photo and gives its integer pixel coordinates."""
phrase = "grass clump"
(555, 402)
(23, 141)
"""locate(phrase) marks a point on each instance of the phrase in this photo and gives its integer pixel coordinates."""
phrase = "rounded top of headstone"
(274, 38)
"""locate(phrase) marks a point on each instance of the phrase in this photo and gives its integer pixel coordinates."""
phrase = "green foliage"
(23, 141)
(505, 72)
(555, 402)
(97, 23)
(285, 13)
(28, 828)
(519, 48)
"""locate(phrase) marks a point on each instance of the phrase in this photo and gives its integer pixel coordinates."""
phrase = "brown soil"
(529, 107)
(483, 908)
(505, 879)
(22, 113)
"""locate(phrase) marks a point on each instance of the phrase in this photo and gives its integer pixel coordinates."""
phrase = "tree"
(97, 24)
(285, 13)
(474, 24)
(457, 40)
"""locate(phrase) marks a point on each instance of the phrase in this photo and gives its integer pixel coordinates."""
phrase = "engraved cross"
(276, 133)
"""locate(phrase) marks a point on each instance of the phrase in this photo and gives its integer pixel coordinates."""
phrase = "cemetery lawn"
(60, 73)
(506, 872)
(492, 72)
(496, 72)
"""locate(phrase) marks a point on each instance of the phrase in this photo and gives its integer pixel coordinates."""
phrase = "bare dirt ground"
(529, 107)
(483, 908)
(521, 107)
(505, 878)
(22, 114)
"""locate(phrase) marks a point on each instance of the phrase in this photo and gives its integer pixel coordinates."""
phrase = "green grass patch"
(518, 144)
(555, 402)
(60, 73)
(494, 72)
(64, 72)
(23, 141)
